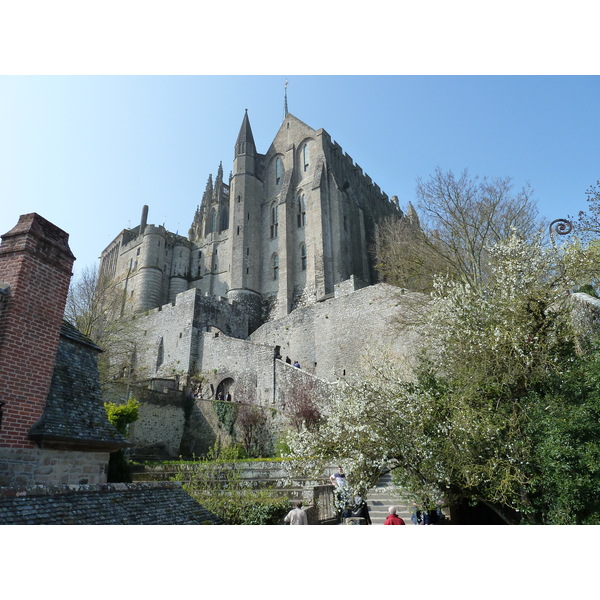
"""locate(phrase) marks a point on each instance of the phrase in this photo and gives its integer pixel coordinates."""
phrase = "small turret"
(245, 149)
(411, 215)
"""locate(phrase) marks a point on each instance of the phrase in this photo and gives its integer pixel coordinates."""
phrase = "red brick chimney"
(35, 271)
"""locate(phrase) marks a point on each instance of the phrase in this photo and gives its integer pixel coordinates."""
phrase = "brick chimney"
(35, 271)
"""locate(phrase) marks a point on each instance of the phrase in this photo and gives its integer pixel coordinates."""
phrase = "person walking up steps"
(393, 518)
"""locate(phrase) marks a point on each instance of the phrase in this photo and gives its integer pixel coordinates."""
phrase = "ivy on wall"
(226, 414)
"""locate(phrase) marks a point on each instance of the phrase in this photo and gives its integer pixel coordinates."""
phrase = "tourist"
(338, 479)
(297, 365)
(361, 510)
(296, 516)
(228, 397)
(393, 518)
(416, 516)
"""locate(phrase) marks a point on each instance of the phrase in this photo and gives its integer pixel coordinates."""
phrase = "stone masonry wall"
(333, 339)
(159, 428)
(20, 467)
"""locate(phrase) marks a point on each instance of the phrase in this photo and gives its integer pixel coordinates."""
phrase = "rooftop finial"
(285, 108)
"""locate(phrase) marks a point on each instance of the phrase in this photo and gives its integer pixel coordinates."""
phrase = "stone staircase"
(384, 495)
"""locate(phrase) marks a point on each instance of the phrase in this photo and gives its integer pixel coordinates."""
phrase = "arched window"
(301, 210)
(275, 266)
(274, 220)
(305, 156)
(277, 171)
(303, 256)
(213, 219)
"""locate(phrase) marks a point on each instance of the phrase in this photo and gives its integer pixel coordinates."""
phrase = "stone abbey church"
(277, 267)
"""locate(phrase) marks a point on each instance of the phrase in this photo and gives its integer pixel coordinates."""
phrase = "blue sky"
(87, 152)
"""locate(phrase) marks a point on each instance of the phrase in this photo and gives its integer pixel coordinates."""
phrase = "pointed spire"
(245, 141)
(285, 106)
(208, 192)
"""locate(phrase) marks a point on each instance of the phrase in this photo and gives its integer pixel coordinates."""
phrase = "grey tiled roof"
(153, 503)
(74, 414)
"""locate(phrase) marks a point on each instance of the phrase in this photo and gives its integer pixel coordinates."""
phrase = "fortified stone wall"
(159, 428)
(249, 365)
(293, 383)
(332, 339)
(168, 338)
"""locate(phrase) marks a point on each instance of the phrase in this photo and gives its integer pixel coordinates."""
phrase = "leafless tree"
(251, 424)
(95, 306)
(300, 405)
(460, 218)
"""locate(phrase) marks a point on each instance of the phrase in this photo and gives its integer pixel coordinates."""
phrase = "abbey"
(270, 251)
(279, 233)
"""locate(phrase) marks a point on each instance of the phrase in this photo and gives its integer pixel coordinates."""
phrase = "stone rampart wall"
(333, 339)
(159, 428)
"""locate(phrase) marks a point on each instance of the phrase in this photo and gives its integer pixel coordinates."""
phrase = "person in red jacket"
(393, 518)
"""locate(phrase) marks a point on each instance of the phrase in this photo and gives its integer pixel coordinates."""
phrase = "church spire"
(285, 107)
(245, 141)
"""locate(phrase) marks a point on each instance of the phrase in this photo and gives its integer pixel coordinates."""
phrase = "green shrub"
(120, 416)
(218, 486)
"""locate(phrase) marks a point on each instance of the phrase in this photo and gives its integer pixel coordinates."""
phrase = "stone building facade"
(286, 227)
(278, 263)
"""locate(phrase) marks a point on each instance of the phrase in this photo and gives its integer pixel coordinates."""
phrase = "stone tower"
(246, 220)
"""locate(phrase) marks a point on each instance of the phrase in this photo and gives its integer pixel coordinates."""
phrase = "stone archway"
(224, 388)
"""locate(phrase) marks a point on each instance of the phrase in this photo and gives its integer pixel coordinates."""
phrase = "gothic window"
(301, 210)
(213, 220)
(275, 266)
(278, 171)
(303, 256)
(305, 156)
(274, 220)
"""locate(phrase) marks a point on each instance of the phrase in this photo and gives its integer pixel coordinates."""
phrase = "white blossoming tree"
(466, 425)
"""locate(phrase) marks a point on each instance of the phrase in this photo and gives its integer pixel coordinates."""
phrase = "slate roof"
(74, 415)
(152, 503)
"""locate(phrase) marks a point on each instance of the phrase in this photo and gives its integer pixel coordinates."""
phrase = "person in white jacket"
(296, 516)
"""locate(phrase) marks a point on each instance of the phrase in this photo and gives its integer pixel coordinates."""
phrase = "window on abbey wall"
(274, 220)
(213, 220)
(275, 266)
(305, 156)
(160, 355)
(303, 256)
(278, 171)
(301, 211)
